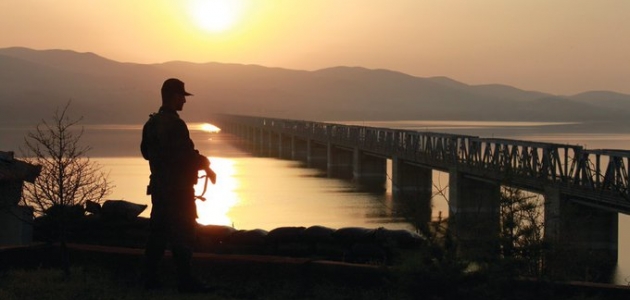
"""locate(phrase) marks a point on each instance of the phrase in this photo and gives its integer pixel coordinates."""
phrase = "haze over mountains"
(33, 83)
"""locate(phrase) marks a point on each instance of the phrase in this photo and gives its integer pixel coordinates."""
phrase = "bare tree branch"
(68, 176)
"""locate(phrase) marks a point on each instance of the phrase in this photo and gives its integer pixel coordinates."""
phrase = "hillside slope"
(34, 82)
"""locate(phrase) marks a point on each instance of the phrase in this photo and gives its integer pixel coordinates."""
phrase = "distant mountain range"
(33, 83)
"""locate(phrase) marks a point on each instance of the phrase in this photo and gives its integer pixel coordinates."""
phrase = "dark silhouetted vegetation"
(68, 178)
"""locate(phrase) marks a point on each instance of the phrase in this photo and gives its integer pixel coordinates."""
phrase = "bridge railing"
(571, 166)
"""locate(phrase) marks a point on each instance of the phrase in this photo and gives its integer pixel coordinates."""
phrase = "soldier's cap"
(174, 86)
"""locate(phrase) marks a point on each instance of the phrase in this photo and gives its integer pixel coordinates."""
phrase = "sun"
(215, 15)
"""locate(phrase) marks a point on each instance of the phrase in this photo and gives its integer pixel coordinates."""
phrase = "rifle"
(210, 175)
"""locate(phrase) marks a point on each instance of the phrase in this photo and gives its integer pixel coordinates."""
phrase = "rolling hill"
(33, 83)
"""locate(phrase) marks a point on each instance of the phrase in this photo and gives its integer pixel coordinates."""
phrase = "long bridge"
(583, 189)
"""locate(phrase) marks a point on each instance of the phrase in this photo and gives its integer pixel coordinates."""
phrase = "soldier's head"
(174, 94)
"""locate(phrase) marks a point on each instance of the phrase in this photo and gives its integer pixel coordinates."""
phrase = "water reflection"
(205, 127)
(220, 197)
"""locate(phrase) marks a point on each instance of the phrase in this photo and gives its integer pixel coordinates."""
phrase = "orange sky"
(557, 46)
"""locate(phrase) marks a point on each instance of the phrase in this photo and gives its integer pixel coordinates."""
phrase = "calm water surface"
(266, 193)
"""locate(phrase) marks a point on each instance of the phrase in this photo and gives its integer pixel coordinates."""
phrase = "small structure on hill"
(15, 220)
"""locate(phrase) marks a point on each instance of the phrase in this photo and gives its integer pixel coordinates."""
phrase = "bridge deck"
(597, 177)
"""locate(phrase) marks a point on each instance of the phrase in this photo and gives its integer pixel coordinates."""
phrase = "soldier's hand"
(204, 162)
(211, 175)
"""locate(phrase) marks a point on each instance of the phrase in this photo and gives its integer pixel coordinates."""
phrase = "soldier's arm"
(182, 148)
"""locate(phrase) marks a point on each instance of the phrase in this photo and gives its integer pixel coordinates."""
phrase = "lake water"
(266, 193)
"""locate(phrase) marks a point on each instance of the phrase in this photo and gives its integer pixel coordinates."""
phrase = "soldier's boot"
(186, 282)
(150, 275)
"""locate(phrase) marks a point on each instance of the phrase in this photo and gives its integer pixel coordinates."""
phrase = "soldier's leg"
(183, 242)
(156, 245)
(154, 251)
(183, 239)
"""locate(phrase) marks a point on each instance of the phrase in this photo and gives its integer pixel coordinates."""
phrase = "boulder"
(68, 212)
(255, 237)
(350, 235)
(211, 237)
(286, 234)
(121, 209)
(399, 238)
(215, 232)
(318, 234)
(92, 207)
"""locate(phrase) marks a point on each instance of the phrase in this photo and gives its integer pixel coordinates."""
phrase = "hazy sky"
(557, 46)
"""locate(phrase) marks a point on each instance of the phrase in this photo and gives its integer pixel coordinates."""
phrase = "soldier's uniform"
(174, 164)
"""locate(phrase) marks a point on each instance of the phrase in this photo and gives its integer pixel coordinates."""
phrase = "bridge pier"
(273, 148)
(339, 162)
(260, 142)
(242, 133)
(252, 139)
(317, 155)
(583, 240)
(299, 149)
(369, 171)
(285, 146)
(246, 135)
(474, 215)
(413, 188)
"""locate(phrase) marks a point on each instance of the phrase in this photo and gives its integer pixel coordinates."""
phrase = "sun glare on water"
(207, 127)
(216, 15)
(220, 197)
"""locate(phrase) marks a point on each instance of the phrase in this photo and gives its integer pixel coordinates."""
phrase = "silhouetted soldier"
(174, 164)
